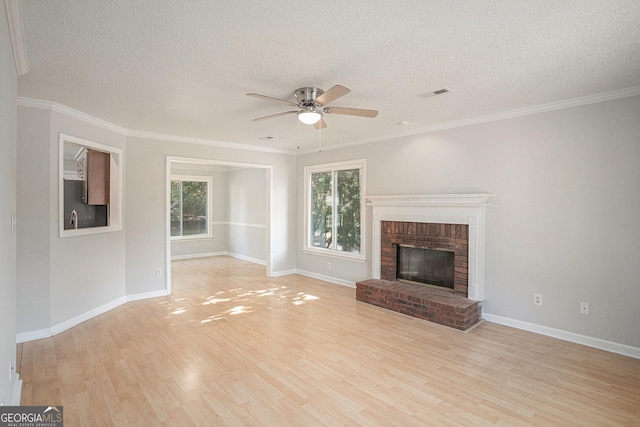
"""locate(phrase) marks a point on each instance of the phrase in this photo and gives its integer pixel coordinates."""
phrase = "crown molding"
(570, 103)
(210, 142)
(16, 31)
(520, 112)
(62, 109)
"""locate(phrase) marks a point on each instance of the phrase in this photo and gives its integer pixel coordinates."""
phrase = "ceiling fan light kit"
(311, 102)
(309, 115)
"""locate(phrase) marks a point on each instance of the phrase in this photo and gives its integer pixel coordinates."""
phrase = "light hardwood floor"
(231, 347)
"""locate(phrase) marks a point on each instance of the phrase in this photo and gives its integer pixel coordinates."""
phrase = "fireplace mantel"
(438, 209)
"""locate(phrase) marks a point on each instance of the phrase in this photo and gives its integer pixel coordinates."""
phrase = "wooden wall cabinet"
(96, 183)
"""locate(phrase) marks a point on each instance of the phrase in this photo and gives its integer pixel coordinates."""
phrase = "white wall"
(564, 221)
(8, 138)
(145, 205)
(60, 279)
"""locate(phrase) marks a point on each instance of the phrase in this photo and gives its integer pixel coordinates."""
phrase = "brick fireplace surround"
(453, 222)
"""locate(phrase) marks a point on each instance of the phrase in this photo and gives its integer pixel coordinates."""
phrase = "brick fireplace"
(447, 237)
(450, 222)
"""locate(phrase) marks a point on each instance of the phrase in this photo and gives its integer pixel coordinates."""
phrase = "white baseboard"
(63, 326)
(200, 255)
(283, 273)
(147, 295)
(32, 335)
(613, 347)
(221, 253)
(327, 278)
(17, 391)
(246, 258)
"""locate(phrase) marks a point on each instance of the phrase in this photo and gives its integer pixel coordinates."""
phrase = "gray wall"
(8, 174)
(564, 221)
(247, 213)
(34, 204)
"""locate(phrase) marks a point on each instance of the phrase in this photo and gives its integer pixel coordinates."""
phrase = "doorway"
(238, 214)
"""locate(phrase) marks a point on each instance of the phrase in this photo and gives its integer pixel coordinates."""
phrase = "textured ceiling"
(183, 67)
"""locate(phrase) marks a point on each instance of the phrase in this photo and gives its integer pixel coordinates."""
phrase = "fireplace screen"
(428, 266)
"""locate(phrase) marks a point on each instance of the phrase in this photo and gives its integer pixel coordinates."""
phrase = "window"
(334, 197)
(190, 207)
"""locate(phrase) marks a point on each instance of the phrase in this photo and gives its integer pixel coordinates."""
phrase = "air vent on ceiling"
(434, 93)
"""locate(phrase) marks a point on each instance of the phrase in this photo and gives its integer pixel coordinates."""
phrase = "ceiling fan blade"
(351, 111)
(273, 116)
(269, 98)
(320, 124)
(332, 94)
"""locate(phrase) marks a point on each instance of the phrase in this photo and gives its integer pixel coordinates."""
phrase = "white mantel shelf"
(482, 199)
(438, 209)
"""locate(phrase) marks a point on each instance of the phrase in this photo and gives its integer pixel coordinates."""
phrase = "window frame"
(115, 216)
(209, 181)
(334, 167)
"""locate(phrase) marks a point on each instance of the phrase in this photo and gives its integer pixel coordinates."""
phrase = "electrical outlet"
(537, 299)
(584, 308)
(328, 266)
(159, 272)
(2, 401)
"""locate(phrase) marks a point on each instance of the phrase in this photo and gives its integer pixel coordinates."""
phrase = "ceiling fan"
(312, 103)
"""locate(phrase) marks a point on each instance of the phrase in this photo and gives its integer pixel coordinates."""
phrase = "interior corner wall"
(145, 207)
(8, 178)
(563, 223)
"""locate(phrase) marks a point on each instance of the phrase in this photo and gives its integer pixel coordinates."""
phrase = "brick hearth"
(423, 302)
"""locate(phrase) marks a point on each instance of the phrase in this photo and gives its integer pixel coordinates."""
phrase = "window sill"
(335, 254)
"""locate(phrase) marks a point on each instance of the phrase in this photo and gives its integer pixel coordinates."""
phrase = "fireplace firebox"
(425, 266)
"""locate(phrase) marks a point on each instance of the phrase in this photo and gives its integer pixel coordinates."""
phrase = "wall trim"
(32, 335)
(246, 258)
(210, 142)
(17, 391)
(329, 279)
(526, 111)
(283, 273)
(598, 343)
(147, 295)
(16, 31)
(239, 224)
(63, 326)
(221, 253)
(199, 255)
(63, 109)
(67, 324)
